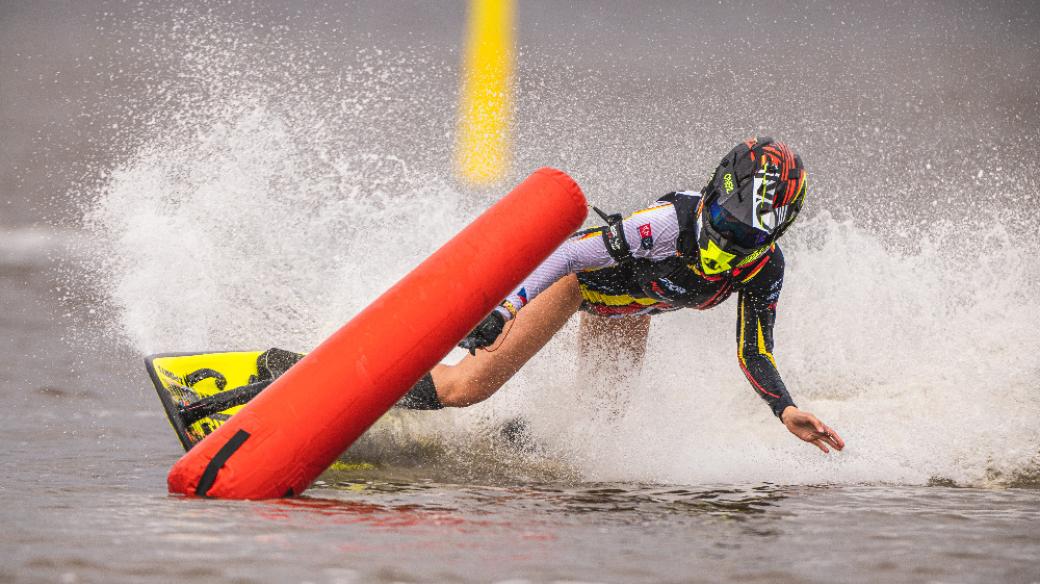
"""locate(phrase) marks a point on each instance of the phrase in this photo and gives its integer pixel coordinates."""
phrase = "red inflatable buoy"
(285, 437)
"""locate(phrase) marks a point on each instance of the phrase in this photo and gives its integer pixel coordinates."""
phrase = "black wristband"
(422, 396)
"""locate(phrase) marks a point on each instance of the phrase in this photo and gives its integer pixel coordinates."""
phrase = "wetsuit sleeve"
(756, 313)
(651, 233)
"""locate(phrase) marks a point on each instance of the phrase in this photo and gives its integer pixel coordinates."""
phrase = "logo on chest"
(646, 235)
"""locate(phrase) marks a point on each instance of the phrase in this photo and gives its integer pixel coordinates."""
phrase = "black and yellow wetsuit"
(660, 273)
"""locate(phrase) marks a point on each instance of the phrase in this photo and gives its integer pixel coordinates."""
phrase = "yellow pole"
(482, 143)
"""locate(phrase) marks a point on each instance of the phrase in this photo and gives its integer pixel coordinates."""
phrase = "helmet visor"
(732, 234)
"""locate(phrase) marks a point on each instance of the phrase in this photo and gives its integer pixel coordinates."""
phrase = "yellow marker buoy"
(482, 147)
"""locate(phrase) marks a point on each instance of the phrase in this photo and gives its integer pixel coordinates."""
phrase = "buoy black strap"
(209, 476)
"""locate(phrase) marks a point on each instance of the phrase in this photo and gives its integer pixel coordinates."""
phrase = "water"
(251, 176)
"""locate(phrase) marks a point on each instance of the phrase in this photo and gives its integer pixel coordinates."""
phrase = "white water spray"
(268, 211)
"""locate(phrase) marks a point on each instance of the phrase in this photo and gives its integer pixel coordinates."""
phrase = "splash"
(924, 370)
(264, 198)
(272, 196)
(237, 239)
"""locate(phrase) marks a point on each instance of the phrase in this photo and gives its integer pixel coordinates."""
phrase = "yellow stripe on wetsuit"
(595, 297)
(743, 327)
(762, 349)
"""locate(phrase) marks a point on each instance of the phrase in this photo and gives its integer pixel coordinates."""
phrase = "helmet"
(752, 198)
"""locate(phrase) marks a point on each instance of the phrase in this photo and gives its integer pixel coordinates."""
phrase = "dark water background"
(918, 118)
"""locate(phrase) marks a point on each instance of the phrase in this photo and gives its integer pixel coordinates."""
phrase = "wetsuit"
(661, 273)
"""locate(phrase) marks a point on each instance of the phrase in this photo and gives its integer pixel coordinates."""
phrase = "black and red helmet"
(752, 198)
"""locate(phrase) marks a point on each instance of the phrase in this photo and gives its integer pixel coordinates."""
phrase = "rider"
(688, 250)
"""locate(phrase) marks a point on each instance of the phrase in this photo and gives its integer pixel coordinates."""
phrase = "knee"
(570, 284)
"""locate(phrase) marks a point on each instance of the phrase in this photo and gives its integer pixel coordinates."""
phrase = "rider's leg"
(620, 340)
(477, 377)
(609, 351)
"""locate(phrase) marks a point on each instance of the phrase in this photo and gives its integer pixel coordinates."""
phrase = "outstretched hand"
(810, 429)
